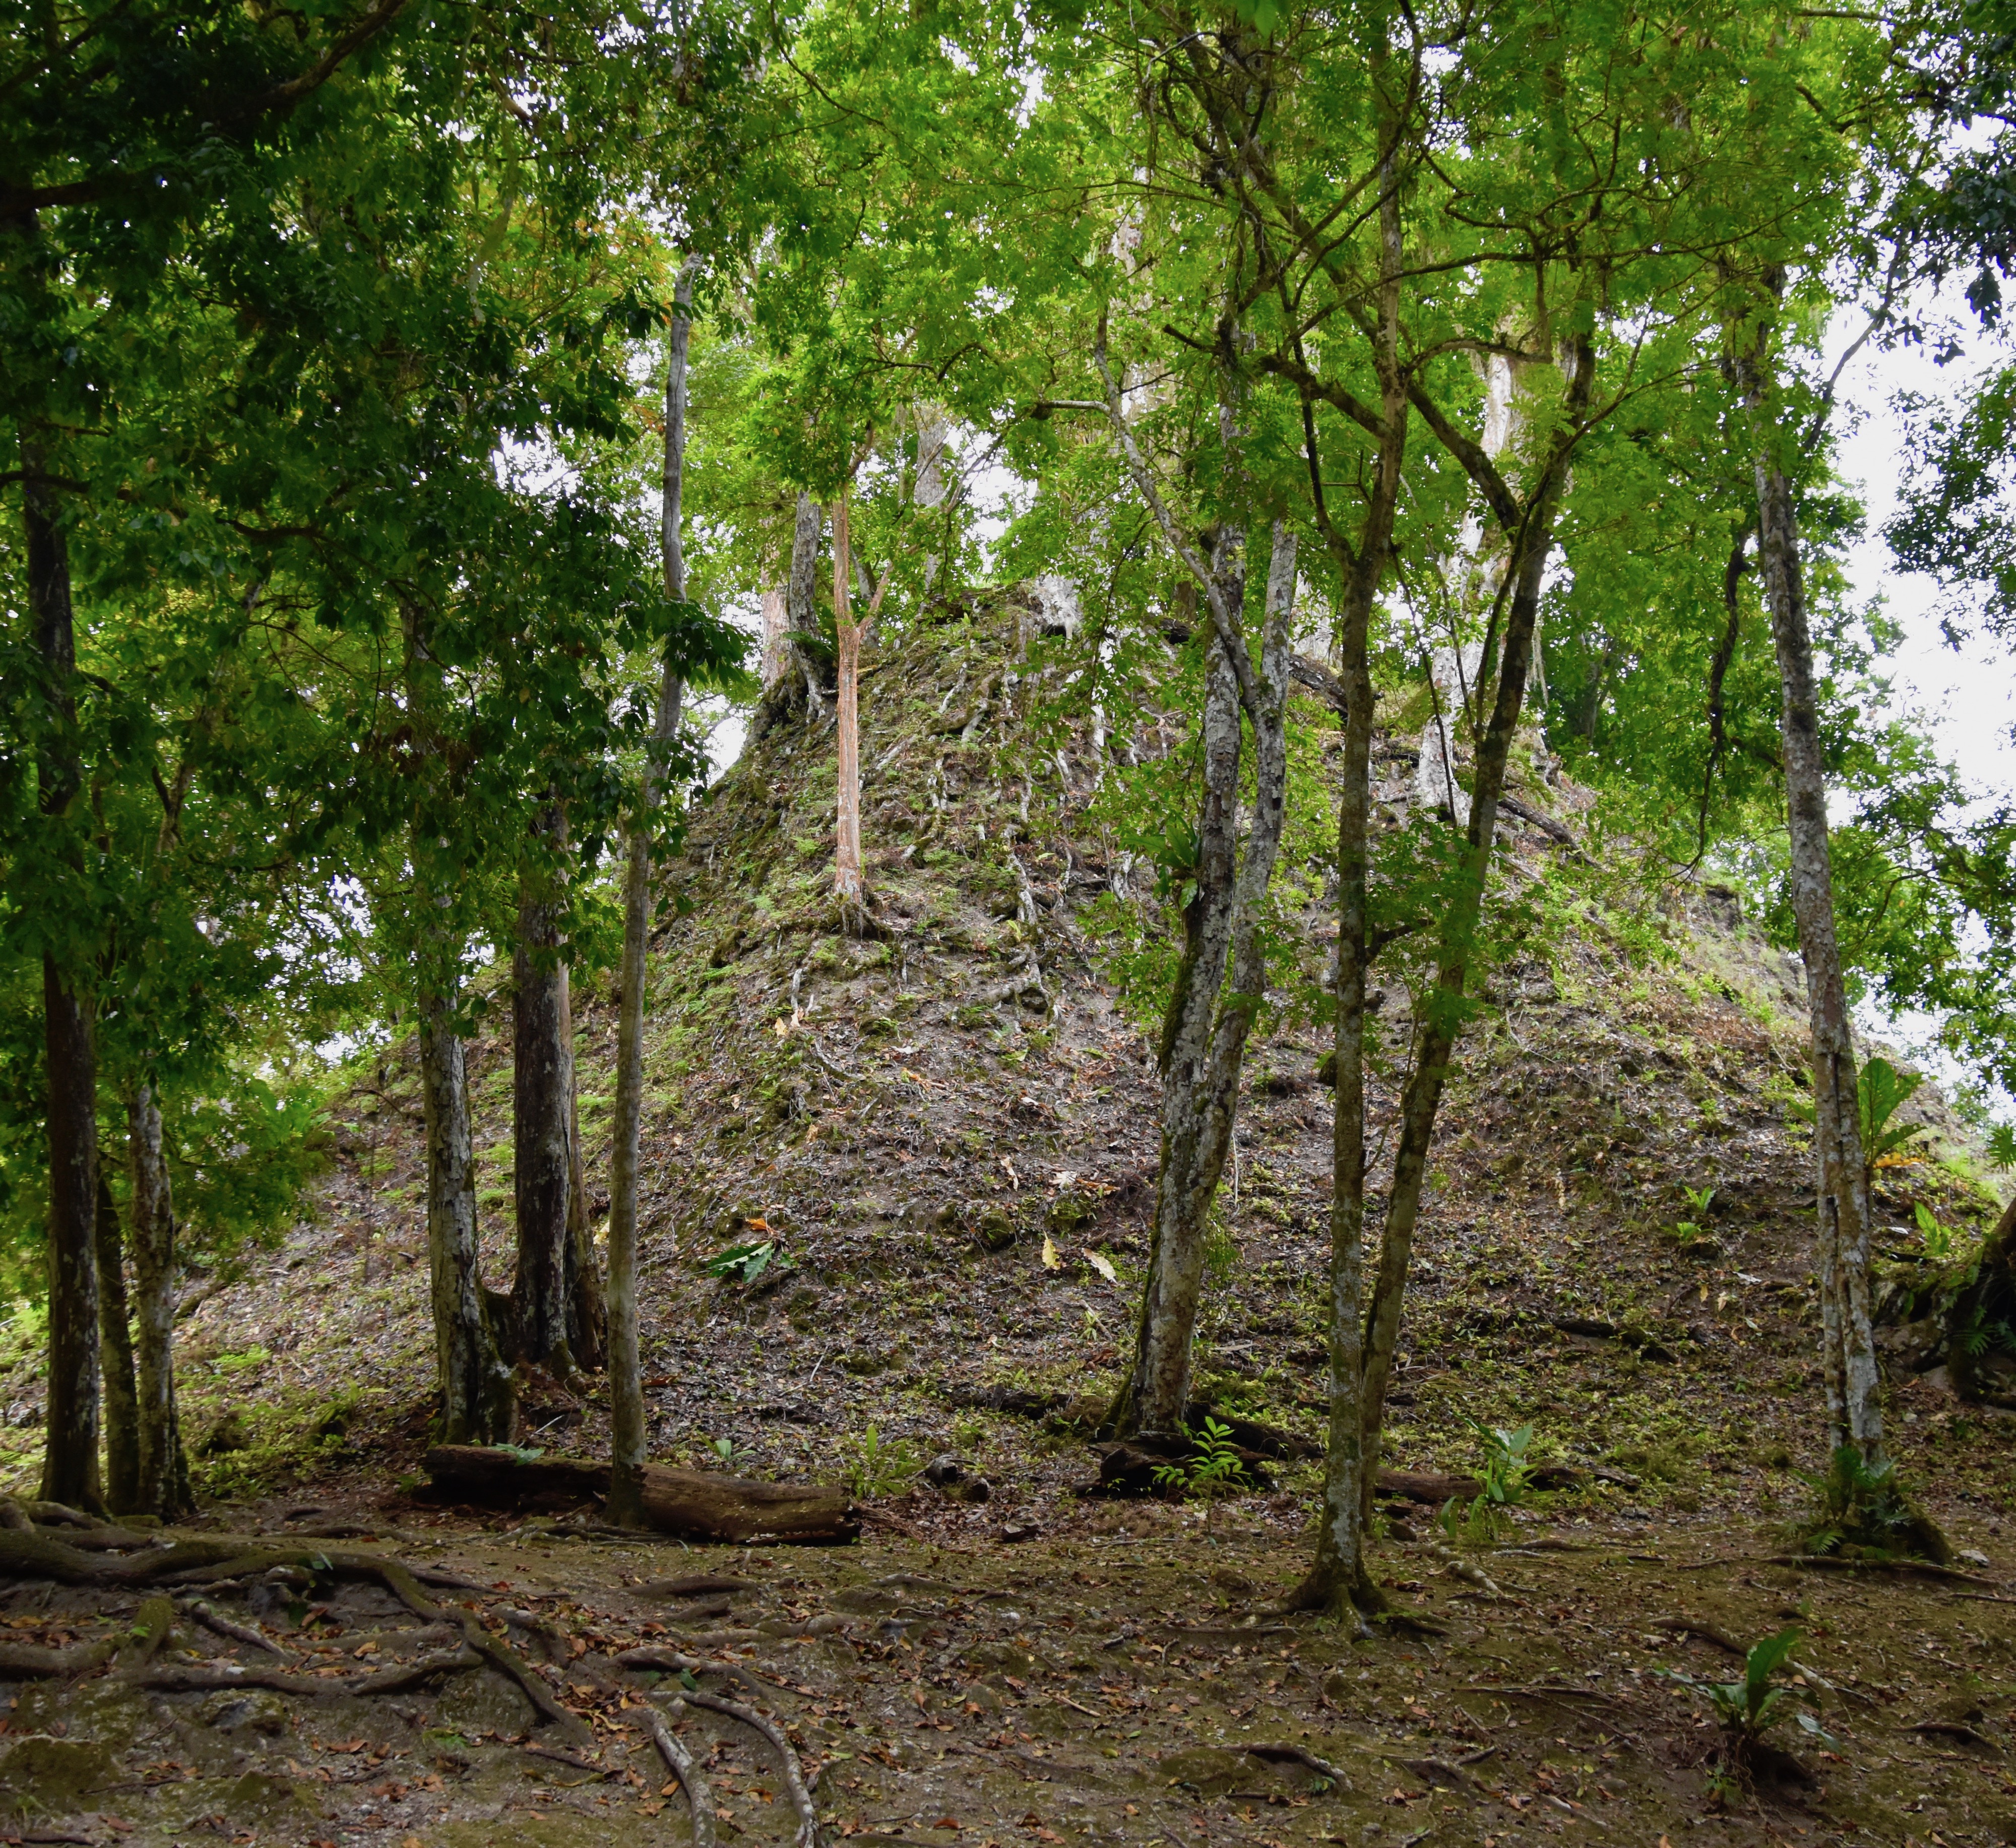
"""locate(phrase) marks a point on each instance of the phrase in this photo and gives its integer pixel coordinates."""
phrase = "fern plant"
(1863, 1511)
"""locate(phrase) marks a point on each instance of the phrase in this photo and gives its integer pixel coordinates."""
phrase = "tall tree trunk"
(115, 1345)
(541, 1122)
(1338, 1581)
(476, 1388)
(1456, 928)
(1153, 1397)
(847, 703)
(1855, 1412)
(70, 1450)
(163, 1485)
(626, 1385)
(801, 599)
(1205, 1038)
(587, 1303)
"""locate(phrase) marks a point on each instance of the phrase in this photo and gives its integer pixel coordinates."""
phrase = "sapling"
(1213, 1468)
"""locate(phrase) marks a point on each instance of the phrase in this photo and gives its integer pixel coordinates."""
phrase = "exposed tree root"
(31, 1661)
(1301, 1755)
(184, 1678)
(1923, 1569)
(1686, 1626)
(207, 1559)
(679, 1762)
(795, 1772)
(214, 1620)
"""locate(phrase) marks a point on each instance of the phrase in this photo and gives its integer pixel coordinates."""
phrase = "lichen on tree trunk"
(1206, 1031)
(541, 1122)
(115, 1347)
(163, 1488)
(476, 1393)
(846, 712)
(1855, 1412)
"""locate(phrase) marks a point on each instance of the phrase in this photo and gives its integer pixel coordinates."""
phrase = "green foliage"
(1937, 1238)
(1212, 1469)
(744, 1262)
(1505, 1467)
(1746, 1711)
(1864, 1510)
(871, 1468)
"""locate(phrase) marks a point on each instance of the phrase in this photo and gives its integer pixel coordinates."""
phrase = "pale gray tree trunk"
(1205, 1033)
(626, 1388)
(1855, 1409)
(587, 1303)
(163, 1488)
(800, 598)
(115, 1348)
(476, 1399)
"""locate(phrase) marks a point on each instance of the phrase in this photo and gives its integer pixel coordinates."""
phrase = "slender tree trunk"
(847, 699)
(1456, 933)
(542, 1124)
(1338, 1581)
(476, 1387)
(1855, 1412)
(69, 1452)
(115, 1344)
(1204, 1038)
(801, 606)
(626, 1386)
(163, 1488)
(588, 1304)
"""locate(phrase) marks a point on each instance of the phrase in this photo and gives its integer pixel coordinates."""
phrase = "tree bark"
(163, 1485)
(542, 1124)
(696, 1505)
(846, 704)
(801, 606)
(1855, 1412)
(115, 1345)
(70, 1450)
(1443, 1007)
(626, 1387)
(587, 1303)
(1204, 1037)
(476, 1399)
(1338, 1581)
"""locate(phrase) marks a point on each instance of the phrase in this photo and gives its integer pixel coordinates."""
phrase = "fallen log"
(693, 1504)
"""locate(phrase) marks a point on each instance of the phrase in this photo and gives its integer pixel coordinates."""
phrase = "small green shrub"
(1746, 1711)
(1213, 1468)
(1864, 1512)
(871, 1468)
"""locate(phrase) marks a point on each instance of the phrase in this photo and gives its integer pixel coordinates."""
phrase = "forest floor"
(945, 1131)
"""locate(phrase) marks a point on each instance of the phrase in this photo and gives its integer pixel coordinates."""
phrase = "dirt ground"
(1121, 1676)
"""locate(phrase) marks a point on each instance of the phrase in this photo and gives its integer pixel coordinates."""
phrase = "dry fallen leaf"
(1103, 1265)
(1051, 1260)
